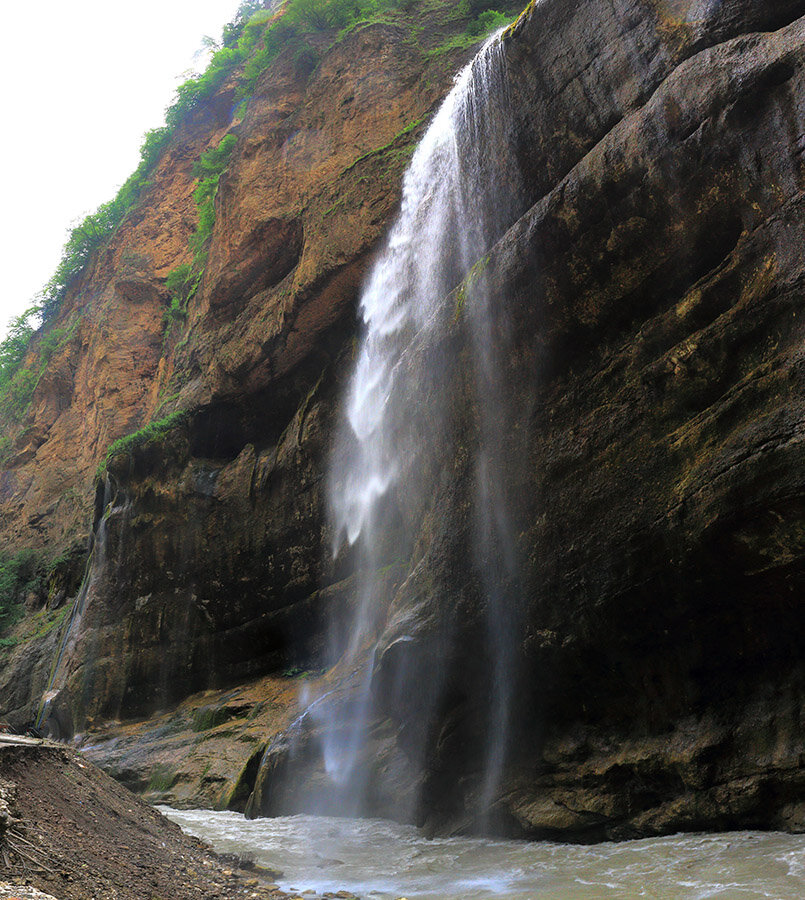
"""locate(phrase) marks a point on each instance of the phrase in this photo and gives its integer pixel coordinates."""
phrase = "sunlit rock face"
(652, 282)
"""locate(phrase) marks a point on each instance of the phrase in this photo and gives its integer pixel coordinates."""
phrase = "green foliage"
(17, 384)
(51, 341)
(208, 169)
(488, 21)
(183, 281)
(319, 15)
(17, 394)
(303, 19)
(216, 159)
(15, 344)
(175, 313)
(247, 12)
(19, 575)
(177, 278)
(239, 41)
(153, 431)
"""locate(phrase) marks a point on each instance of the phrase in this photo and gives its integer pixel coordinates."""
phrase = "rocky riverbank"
(72, 832)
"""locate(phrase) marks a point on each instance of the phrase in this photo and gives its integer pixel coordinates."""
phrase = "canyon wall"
(651, 282)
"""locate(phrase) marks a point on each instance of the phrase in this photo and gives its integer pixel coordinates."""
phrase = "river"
(383, 860)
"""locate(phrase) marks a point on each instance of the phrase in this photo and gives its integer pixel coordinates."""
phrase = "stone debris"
(22, 892)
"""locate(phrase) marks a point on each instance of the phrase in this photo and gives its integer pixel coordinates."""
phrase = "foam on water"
(384, 860)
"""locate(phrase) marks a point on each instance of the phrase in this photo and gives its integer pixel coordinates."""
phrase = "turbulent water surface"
(381, 859)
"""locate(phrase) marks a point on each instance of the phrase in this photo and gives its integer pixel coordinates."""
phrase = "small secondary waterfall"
(49, 717)
(459, 194)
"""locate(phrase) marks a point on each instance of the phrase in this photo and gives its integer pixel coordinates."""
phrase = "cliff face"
(211, 569)
(652, 282)
(664, 277)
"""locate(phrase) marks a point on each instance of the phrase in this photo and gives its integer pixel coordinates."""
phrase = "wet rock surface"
(656, 296)
(214, 571)
(654, 288)
(205, 752)
(656, 433)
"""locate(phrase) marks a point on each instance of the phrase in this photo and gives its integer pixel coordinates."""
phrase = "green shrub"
(153, 431)
(247, 12)
(208, 169)
(213, 161)
(319, 15)
(17, 394)
(183, 281)
(176, 280)
(15, 344)
(300, 20)
(17, 384)
(488, 21)
(174, 313)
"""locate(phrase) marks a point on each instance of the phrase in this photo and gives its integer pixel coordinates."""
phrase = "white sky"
(83, 81)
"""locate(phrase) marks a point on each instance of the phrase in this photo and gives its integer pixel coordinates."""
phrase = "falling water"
(48, 717)
(459, 195)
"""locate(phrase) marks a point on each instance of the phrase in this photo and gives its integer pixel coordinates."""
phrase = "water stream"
(459, 194)
(48, 719)
(383, 860)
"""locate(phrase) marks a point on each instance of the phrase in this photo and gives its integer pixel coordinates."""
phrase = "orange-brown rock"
(653, 281)
(213, 574)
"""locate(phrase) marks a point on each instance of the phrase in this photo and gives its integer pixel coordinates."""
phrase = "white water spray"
(71, 631)
(459, 194)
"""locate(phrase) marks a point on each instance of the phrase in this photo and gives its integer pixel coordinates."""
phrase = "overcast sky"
(83, 81)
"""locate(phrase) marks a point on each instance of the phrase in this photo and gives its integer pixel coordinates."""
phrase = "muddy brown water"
(386, 861)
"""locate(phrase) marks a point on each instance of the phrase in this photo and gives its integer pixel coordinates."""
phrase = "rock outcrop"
(653, 284)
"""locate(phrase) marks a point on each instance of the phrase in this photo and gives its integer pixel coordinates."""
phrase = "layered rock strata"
(653, 283)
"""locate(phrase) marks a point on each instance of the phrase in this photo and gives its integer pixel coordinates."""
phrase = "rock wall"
(655, 295)
(212, 571)
(653, 284)
(652, 293)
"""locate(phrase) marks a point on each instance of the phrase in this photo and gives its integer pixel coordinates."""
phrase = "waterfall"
(49, 717)
(427, 284)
